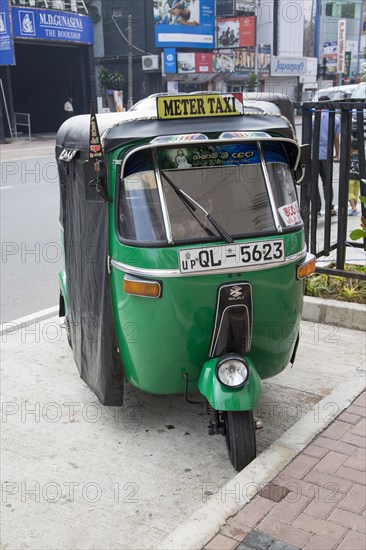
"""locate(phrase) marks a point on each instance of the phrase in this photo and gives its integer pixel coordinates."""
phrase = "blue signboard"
(52, 25)
(185, 23)
(6, 39)
(170, 60)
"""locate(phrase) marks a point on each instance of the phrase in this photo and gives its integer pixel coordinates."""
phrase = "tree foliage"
(252, 83)
(109, 80)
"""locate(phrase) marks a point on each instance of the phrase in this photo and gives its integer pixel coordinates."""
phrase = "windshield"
(336, 94)
(360, 91)
(225, 182)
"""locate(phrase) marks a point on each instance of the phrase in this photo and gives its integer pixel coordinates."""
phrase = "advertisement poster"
(194, 62)
(347, 64)
(330, 50)
(223, 61)
(6, 38)
(184, 23)
(264, 58)
(245, 60)
(186, 62)
(203, 62)
(170, 60)
(242, 60)
(235, 32)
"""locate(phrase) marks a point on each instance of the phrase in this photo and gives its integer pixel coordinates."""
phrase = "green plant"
(252, 83)
(320, 285)
(109, 80)
(360, 233)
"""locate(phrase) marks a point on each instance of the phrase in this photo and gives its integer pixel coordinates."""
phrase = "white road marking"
(6, 187)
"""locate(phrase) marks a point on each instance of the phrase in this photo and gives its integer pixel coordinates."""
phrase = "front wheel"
(240, 438)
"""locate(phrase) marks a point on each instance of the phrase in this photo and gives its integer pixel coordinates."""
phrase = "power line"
(126, 39)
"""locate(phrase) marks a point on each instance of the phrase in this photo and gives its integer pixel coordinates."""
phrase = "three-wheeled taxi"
(184, 252)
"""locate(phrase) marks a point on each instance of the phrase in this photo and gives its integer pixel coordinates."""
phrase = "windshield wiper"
(191, 205)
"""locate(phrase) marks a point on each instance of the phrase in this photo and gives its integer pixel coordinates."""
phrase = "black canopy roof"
(119, 128)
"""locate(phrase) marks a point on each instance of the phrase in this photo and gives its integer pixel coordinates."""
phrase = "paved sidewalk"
(39, 145)
(317, 502)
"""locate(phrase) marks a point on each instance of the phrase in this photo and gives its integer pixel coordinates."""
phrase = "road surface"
(30, 235)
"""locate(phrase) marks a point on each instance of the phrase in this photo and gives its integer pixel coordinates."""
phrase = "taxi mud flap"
(232, 333)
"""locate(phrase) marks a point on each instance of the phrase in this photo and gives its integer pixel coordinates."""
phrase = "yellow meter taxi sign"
(210, 105)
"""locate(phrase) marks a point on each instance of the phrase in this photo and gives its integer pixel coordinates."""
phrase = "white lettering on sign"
(290, 67)
(290, 213)
(67, 154)
(61, 21)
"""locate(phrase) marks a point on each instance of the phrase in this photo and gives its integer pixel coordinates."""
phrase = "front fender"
(222, 398)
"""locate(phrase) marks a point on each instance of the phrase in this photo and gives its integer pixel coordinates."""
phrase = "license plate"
(229, 256)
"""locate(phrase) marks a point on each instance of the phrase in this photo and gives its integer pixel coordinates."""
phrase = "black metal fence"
(347, 121)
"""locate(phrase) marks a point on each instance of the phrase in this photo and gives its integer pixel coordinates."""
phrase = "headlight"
(232, 372)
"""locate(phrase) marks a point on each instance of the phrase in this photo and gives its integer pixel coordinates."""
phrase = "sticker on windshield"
(290, 214)
(208, 155)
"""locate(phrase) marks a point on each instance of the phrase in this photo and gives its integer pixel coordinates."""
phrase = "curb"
(207, 521)
(334, 312)
(11, 327)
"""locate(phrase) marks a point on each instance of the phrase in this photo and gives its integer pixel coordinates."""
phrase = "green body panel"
(62, 275)
(226, 399)
(161, 340)
(62, 278)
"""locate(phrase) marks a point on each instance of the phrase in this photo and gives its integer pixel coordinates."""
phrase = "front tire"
(240, 438)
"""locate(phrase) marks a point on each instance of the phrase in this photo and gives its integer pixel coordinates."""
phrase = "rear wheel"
(240, 438)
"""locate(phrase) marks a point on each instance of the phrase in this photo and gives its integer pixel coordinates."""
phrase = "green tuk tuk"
(184, 252)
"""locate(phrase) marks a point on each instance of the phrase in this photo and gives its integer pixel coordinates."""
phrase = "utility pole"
(130, 68)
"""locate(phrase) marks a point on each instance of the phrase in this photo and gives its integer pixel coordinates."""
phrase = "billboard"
(6, 38)
(184, 23)
(235, 32)
(52, 25)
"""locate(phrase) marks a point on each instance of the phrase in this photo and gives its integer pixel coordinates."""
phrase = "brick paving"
(317, 502)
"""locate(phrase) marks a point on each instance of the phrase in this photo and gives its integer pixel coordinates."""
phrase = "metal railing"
(349, 119)
(63, 5)
(22, 119)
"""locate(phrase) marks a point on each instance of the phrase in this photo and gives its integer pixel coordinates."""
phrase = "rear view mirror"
(303, 170)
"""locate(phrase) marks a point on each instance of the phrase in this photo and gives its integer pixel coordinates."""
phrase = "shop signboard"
(6, 37)
(341, 45)
(61, 26)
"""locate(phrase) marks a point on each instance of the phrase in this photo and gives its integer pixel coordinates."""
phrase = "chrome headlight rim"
(227, 358)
